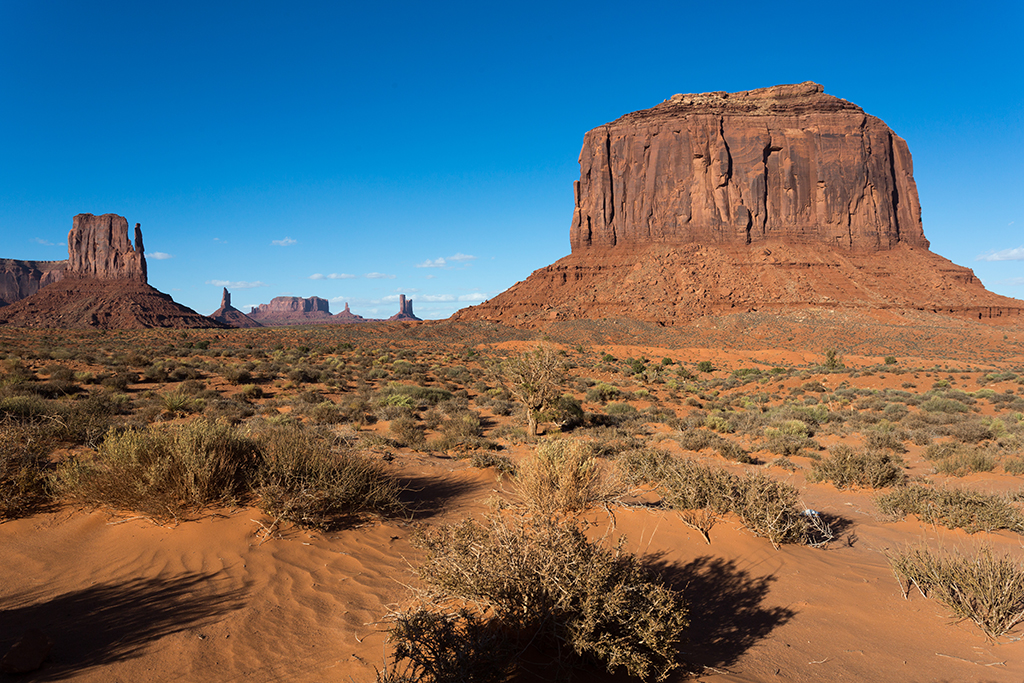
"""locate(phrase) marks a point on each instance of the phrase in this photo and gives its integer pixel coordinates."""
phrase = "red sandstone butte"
(347, 316)
(404, 310)
(771, 199)
(231, 316)
(103, 285)
(292, 310)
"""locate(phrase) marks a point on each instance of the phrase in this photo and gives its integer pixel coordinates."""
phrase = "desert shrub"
(23, 465)
(546, 584)
(972, 511)
(787, 444)
(718, 423)
(251, 392)
(705, 366)
(602, 393)
(237, 374)
(698, 439)
(623, 410)
(1014, 466)
(846, 467)
(567, 412)
(180, 402)
(501, 463)
(163, 472)
(730, 450)
(766, 506)
(406, 431)
(563, 476)
(959, 460)
(941, 404)
(971, 431)
(438, 647)
(414, 395)
(309, 477)
(985, 588)
(227, 410)
(886, 435)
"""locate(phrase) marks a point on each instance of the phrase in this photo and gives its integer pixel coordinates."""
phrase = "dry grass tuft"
(564, 475)
(985, 588)
(971, 511)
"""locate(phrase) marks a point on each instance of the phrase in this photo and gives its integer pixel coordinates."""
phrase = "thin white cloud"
(332, 276)
(475, 296)
(1004, 255)
(45, 243)
(217, 239)
(432, 298)
(379, 276)
(446, 261)
(158, 255)
(1012, 282)
(286, 242)
(339, 299)
(230, 284)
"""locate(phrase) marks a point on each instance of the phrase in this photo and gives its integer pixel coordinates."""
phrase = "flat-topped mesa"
(292, 310)
(786, 163)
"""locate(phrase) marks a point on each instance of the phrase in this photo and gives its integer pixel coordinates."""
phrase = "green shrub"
(705, 366)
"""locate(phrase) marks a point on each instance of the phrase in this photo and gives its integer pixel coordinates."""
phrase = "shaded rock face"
(231, 316)
(771, 200)
(404, 309)
(786, 163)
(98, 247)
(292, 310)
(20, 279)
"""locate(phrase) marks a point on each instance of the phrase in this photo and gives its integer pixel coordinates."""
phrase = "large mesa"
(773, 199)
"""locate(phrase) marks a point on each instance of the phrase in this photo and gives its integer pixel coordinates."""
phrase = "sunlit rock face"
(787, 163)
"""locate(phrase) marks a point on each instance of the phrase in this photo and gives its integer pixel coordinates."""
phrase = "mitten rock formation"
(103, 284)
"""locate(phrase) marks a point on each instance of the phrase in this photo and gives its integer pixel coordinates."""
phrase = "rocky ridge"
(774, 199)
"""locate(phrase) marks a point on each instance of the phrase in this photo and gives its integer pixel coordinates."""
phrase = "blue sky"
(358, 151)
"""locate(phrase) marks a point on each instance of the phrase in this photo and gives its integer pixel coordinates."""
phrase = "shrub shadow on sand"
(111, 622)
(727, 611)
(427, 496)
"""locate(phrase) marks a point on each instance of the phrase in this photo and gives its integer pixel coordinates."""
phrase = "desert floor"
(230, 594)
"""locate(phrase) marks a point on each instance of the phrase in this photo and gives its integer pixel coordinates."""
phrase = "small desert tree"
(534, 379)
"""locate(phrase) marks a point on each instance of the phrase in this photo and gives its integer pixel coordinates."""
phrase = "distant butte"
(292, 310)
(103, 284)
(231, 316)
(404, 310)
(773, 199)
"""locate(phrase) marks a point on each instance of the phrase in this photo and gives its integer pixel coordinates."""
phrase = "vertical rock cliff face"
(786, 163)
(777, 199)
(19, 279)
(292, 310)
(99, 248)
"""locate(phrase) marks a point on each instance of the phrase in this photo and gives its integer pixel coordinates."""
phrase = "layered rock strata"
(231, 316)
(292, 310)
(103, 285)
(774, 199)
(784, 163)
(20, 279)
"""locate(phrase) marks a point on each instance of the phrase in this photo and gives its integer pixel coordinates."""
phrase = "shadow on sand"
(112, 622)
(727, 611)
